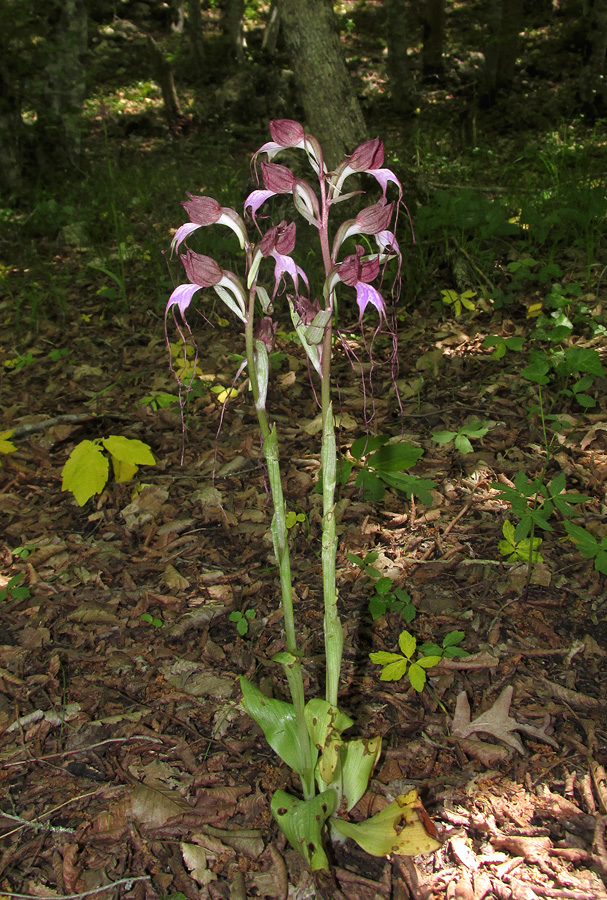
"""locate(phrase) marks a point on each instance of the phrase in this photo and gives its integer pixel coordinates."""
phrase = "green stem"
(293, 669)
(333, 631)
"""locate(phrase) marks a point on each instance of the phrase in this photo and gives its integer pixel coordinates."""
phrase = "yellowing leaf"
(402, 827)
(129, 450)
(85, 472)
(123, 471)
(6, 446)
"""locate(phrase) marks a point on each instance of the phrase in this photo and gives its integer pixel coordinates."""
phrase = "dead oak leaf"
(497, 722)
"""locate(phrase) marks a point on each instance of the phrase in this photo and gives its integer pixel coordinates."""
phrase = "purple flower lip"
(286, 132)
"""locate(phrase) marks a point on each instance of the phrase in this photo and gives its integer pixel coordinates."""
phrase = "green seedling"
(501, 344)
(397, 665)
(546, 366)
(458, 301)
(448, 649)
(387, 598)
(23, 552)
(588, 545)
(292, 518)
(242, 620)
(158, 400)
(151, 620)
(15, 589)
(86, 470)
(19, 362)
(57, 354)
(526, 549)
(461, 439)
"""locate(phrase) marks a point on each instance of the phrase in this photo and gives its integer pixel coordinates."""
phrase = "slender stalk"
(333, 631)
(293, 669)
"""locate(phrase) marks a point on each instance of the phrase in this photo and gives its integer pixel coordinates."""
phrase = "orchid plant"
(308, 736)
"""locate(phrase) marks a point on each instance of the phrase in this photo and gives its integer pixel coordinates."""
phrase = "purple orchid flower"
(368, 157)
(278, 242)
(204, 272)
(204, 211)
(288, 134)
(358, 272)
(280, 180)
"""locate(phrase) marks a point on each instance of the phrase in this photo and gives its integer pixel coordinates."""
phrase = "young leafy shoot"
(526, 549)
(86, 471)
(461, 438)
(397, 665)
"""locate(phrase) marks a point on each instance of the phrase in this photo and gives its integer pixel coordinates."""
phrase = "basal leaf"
(277, 721)
(302, 822)
(402, 827)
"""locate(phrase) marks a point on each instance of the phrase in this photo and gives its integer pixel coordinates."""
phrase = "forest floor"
(125, 751)
(128, 766)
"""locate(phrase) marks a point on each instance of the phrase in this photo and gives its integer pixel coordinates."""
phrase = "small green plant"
(534, 502)
(381, 463)
(387, 598)
(526, 549)
(242, 620)
(86, 470)
(501, 344)
(461, 439)
(397, 665)
(448, 649)
(151, 620)
(588, 545)
(556, 364)
(15, 589)
(458, 301)
(23, 552)
(158, 400)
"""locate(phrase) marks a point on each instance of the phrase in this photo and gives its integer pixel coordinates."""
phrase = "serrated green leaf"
(367, 444)
(383, 585)
(454, 637)
(377, 607)
(407, 644)
(443, 437)
(395, 457)
(382, 657)
(129, 450)
(370, 484)
(417, 677)
(85, 472)
(394, 671)
(427, 662)
(463, 444)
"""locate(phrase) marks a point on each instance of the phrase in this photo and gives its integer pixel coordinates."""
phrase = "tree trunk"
(272, 30)
(593, 74)
(10, 123)
(327, 93)
(163, 73)
(399, 73)
(196, 36)
(434, 37)
(504, 20)
(233, 15)
(60, 108)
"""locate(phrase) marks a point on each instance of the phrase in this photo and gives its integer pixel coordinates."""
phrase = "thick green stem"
(293, 669)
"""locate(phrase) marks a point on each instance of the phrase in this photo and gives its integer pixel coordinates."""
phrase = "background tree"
(434, 37)
(399, 72)
(592, 80)
(326, 88)
(504, 20)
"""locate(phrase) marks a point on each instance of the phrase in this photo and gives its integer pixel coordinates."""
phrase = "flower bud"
(202, 210)
(286, 132)
(369, 155)
(278, 179)
(265, 330)
(201, 270)
(376, 218)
